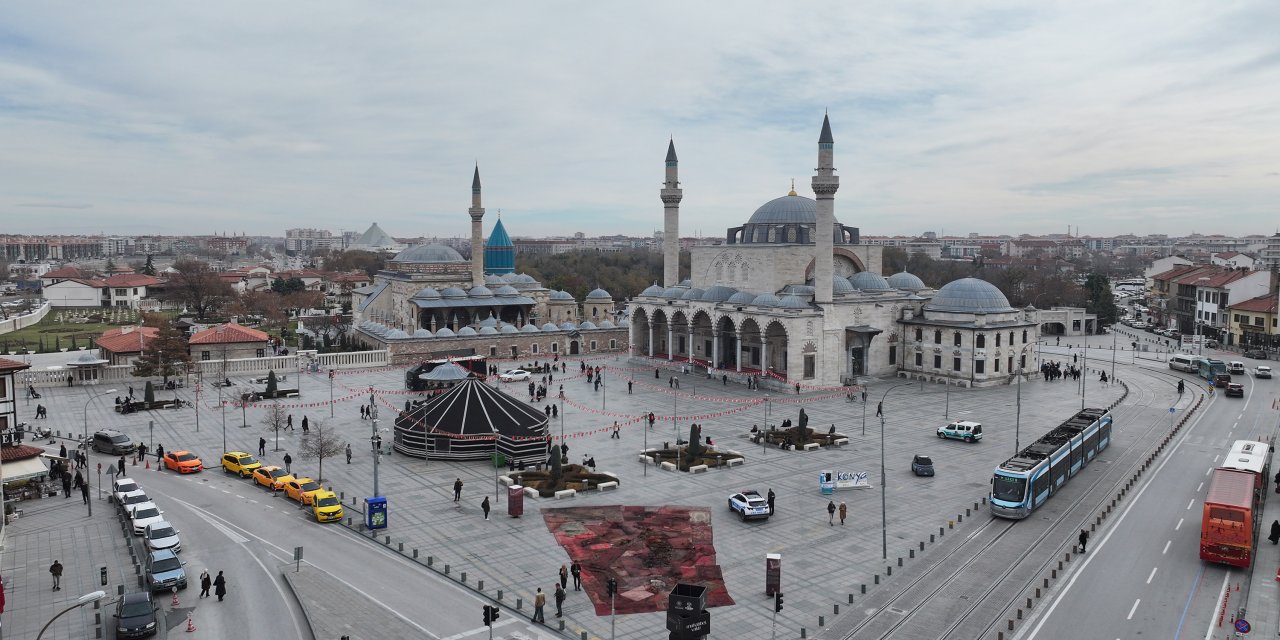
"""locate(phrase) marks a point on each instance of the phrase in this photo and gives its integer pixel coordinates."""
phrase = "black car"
(922, 465)
(136, 616)
(1256, 354)
(1235, 389)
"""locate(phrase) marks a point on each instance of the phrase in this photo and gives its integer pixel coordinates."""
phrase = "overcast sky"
(1017, 117)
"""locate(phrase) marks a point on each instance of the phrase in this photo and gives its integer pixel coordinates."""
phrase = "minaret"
(671, 196)
(477, 238)
(825, 184)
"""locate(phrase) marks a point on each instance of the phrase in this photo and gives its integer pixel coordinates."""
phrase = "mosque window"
(919, 360)
(981, 341)
(733, 272)
(1011, 338)
(515, 352)
(593, 345)
(493, 352)
(996, 363)
(595, 312)
(555, 347)
(719, 272)
(791, 234)
(955, 364)
(893, 355)
(534, 347)
(937, 336)
(919, 334)
(997, 343)
(1022, 362)
(937, 362)
(810, 366)
(773, 234)
(1024, 336)
(957, 339)
(979, 366)
(613, 343)
(746, 273)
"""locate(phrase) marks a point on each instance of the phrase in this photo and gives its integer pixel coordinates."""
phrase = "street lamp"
(1017, 428)
(80, 602)
(84, 444)
(375, 446)
(884, 481)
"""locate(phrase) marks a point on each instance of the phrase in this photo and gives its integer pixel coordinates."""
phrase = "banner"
(852, 480)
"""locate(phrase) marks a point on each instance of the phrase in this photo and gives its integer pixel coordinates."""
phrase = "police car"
(749, 504)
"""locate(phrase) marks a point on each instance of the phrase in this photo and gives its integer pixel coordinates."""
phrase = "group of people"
(537, 392)
(558, 591)
(1054, 370)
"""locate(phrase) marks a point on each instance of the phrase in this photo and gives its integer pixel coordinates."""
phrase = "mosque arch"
(703, 332)
(774, 356)
(728, 345)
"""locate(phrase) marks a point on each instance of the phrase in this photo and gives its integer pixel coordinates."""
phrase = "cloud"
(1008, 118)
(55, 205)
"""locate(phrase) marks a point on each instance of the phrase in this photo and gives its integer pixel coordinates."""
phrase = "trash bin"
(375, 512)
(515, 501)
(499, 460)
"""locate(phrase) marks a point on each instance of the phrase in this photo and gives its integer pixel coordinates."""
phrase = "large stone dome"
(969, 295)
(428, 253)
(907, 281)
(785, 210)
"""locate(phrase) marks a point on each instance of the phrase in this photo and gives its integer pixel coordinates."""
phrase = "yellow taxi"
(326, 506)
(239, 463)
(273, 478)
(302, 489)
(182, 462)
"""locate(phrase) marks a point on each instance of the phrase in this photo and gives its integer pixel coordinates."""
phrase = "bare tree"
(321, 443)
(198, 287)
(275, 420)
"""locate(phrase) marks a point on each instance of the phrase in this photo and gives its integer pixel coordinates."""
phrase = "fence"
(20, 322)
(218, 369)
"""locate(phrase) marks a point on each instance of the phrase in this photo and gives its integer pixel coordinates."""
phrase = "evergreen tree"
(111, 266)
(1101, 301)
(149, 268)
(149, 394)
(271, 383)
(695, 448)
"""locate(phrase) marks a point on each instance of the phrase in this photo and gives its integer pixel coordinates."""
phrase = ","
(961, 430)
(326, 507)
(182, 462)
(136, 615)
(922, 465)
(239, 462)
(749, 504)
(514, 375)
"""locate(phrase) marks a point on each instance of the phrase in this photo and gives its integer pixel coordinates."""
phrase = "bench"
(531, 492)
(698, 468)
(733, 462)
(811, 446)
(565, 493)
(505, 480)
(607, 486)
(669, 466)
(840, 442)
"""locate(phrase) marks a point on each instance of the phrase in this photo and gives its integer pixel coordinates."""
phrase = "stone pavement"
(820, 564)
(335, 610)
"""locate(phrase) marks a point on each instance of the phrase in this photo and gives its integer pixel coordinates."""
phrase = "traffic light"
(490, 615)
(611, 587)
(777, 601)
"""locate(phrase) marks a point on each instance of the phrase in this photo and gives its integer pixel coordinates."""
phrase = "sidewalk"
(336, 610)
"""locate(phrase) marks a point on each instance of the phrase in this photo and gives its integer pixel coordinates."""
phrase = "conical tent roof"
(474, 409)
(375, 237)
(447, 372)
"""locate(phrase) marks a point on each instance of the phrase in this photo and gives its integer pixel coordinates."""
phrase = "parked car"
(326, 507)
(961, 430)
(922, 465)
(240, 463)
(272, 478)
(302, 489)
(143, 514)
(162, 535)
(1262, 371)
(182, 462)
(121, 486)
(1256, 354)
(749, 504)
(164, 570)
(136, 615)
(514, 375)
(1235, 389)
(128, 500)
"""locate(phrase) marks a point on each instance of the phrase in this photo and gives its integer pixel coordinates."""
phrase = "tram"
(1024, 482)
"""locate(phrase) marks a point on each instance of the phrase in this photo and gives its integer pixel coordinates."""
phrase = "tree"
(321, 443)
(292, 285)
(164, 355)
(1101, 300)
(111, 266)
(695, 448)
(149, 268)
(198, 287)
(275, 420)
(557, 471)
(271, 383)
(149, 394)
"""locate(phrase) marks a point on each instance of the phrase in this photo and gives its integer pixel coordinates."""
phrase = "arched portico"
(774, 356)
(702, 338)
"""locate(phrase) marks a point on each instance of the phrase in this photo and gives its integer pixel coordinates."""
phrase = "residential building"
(1234, 260)
(308, 240)
(1255, 324)
(123, 345)
(228, 342)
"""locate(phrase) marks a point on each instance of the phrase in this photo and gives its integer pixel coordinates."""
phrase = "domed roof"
(787, 209)
(561, 295)
(587, 325)
(718, 293)
(444, 332)
(550, 326)
(869, 281)
(490, 278)
(429, 253)
(396, 334)
(428, 293)
(506, 291)
(510, 277)
(793, 302)
(687, 282)
(567, 326)
(840, 285)
(480, 292)
(605, 324)
(422, 333)
(453, 292)
(529, 328)
(487, 331)
(766, 300)
(674, 292)
(969, 295)
(907, 281)
(741, 297)
(624, 323)
(466, 331)
(489, 322)
(599, 294)
(692, 294)
(653, 290)
(525, 278)
(508, 328)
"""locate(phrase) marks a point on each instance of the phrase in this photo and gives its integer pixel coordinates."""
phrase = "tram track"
(956, 596)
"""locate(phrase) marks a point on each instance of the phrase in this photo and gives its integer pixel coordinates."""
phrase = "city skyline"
(1010, 119)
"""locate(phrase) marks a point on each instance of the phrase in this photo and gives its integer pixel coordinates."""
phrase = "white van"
(1236, 368)
(962, 430)
(1183, 362)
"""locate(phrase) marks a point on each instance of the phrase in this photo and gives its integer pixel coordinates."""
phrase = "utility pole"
(376, 447)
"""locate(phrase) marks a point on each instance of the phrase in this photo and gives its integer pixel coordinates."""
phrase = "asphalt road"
(1143, 577)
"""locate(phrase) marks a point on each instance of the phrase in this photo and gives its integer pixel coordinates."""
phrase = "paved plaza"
(821, 563)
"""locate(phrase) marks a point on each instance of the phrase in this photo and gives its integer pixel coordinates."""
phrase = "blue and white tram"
(1024, 482)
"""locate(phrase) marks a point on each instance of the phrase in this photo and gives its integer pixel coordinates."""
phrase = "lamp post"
(80, 602)
(222, 407)
(330, 392)
(84, 444)
(1084, 377)
(884, 481)
(375, 447)
(1017, 427)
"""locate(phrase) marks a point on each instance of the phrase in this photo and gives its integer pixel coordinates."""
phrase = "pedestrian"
(66, 485)
(880, 409)
(653, 417)
(617, 431)
(40, 411)
(55, 570)
(555, 411)
(142, 452)
(70, 381)
(831, 513)
(548, 411)
(1275, 532)
(724, 380)
(304, 424)
(220, 586)
(484, 506)
(362, 412)
(576, 570)
(84, 491)
(564, 576)
(120, 468)
(539, 601)
(629, 383)
(288, 462)
(159, 452)
(205, 583)
(262, 446)
(560, 596)
(62, 451)
(844, 511)
(677, 383)
(348, 453)
(457, 490)
(797, 388)
(671, 382)
(1084, 539)
(288, 424)
(770, 499)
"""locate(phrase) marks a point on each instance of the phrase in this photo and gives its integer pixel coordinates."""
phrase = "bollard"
(388, 540)
(342, 496)
(1019, 614)
(922, 546)
(888, 571)
(446, 570)
(401, 547)
(480, 585)
(984, 499)
(1059, 565)
(1037, 592)
(959, 518)
(561, 624)
(911, 553)
(864, 590)
(966, 512)
(999, 635)
(463, 579)
(975, 506)
(1053, 573)
(1028, 603)
(1067, 556)
(415, 554)
(941, 532)
(519, 603)
(802, 633)
(930, 540)
(499, 594)
(1046, 583)
(877, 578)
(348, 522)
(1011, 624)
(822, 622)
(836, 612)
(951, 524)
(584, 635)
(899, 561)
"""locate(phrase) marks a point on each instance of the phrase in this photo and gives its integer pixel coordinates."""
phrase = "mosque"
(430, 302)
(793, 295)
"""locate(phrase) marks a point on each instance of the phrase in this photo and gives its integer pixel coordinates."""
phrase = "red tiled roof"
(96, 284)
(1260, 304)
(20, 452)
(228, 334)
(126, 339)
(8, 366)
(132, 280)
(1226, 255)
(1215, 277)
(68, 272)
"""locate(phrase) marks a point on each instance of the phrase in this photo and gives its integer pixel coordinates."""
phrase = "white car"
(1262, 371)
(749, 504)
(135, 497)
(514, 375)
(162, 535)
(144, 514)
(121, 486)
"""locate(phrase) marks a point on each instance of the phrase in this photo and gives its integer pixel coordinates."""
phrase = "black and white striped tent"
(470, 422)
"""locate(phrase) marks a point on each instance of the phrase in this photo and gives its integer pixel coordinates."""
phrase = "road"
(1143, 577)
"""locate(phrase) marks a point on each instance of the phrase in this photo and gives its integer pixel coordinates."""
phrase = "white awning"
(23, 469)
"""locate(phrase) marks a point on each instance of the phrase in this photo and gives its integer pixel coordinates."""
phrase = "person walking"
(55, 570)
(205, 583)
(564, 576)
(484, 506)
(576, 570)
(629, 383)
(560, 596)
(1275, 532)
(120, 467)
(770, 499)
(262, 447)
(66, 485)
(539, 601)
(84, 491)
(288, 423)
(844, 511)
(831, 513)
(1083, 539)
(288, 463)
(617, 431)
(457, 490)
(348, 453)
(62, 451)
(305, 424)
(159, 453)
(142, 452)
(220, 586)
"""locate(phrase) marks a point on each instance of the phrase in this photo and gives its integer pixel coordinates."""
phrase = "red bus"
(1232, 515)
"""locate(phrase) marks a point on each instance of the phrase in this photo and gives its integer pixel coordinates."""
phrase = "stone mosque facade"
(794, 295)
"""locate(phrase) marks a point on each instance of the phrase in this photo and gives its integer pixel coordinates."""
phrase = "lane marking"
(1199, 487)
(1166, 547)
(1179, 525)
(1191, 504)
(1133, 609)
(1191, 594)
(1153, 574)
(1222, 593)
(471, 632)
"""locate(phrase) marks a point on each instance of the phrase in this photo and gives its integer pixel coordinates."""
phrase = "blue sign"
(1172, 409)
(1242, 625)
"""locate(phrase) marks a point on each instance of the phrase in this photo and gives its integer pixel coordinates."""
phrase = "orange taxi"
(302, 489)
(182, 462)
(273, 478)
